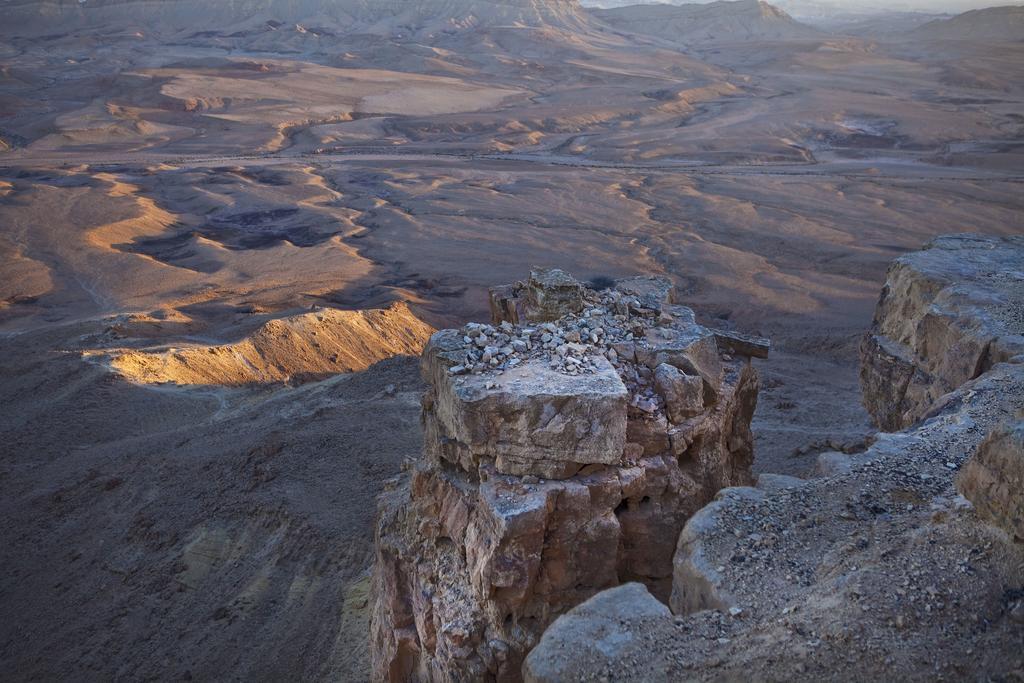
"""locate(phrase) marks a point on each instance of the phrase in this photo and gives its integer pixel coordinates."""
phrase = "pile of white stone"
(568, 346)
(608, 326)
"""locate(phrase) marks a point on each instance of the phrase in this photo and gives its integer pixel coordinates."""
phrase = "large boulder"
(556, 464)
(603, 631)
(946, 315)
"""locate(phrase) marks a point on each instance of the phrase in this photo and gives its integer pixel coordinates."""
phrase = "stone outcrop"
(878, 569)
(565, 447)
(547, 295)
(602, 629)
(993, 479)
(946, 315)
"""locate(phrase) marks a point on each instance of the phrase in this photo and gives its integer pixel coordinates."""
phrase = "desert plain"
(226, 232)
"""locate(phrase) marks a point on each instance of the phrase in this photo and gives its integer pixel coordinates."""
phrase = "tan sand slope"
(298, 348)
(25, 279)
(286, 91)
(264, 99)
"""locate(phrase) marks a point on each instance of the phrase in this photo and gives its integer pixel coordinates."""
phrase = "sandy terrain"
(195, 221)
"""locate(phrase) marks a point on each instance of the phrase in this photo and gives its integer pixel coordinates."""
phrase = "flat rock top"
(987, 272)
(970, 259)
(680, 337)
(553, 277)
(535, 377)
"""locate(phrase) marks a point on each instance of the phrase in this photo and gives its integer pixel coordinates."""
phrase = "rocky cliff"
(879, 570)
(947, 314)
(565, 447)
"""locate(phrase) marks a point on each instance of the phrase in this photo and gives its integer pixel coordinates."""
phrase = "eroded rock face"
(946, 315)
(563, 454)
(877, 569)
(993, 479)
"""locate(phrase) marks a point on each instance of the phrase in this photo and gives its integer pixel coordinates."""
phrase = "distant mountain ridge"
(722, 21)
(889, 24)
(1002, 24)
(342, 16)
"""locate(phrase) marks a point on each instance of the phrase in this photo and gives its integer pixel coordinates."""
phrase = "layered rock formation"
(878, 570)
(565, 447)
(993, 479)
(947, 314)
(296, 349)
